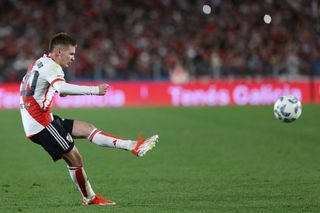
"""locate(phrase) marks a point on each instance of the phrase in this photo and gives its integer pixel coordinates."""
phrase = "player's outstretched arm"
(64, 88)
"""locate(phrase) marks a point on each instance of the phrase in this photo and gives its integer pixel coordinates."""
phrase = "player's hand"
(103, 89)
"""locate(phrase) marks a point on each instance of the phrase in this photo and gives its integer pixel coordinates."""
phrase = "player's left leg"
(55, 138)
(79, 177)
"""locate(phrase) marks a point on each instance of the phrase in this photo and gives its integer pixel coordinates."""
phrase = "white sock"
(107, 140)
(79, 177)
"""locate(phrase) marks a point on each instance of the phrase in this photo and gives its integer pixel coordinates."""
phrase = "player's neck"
(54, 57)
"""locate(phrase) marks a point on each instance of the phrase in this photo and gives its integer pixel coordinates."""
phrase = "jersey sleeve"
(72, 89)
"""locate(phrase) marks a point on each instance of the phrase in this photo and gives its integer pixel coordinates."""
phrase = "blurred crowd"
(165, 39)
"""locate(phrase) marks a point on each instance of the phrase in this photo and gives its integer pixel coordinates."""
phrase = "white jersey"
(36, 94)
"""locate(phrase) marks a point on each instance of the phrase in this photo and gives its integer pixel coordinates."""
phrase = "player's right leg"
(145, 145)
(139, 148)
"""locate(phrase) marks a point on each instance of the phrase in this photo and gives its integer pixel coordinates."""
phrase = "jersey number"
(26, 91)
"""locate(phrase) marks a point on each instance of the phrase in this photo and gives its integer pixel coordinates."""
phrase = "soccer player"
(56, 135)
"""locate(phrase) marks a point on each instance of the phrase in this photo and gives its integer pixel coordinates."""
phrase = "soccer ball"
(287, 108)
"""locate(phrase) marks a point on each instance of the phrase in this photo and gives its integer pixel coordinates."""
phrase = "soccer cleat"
(97, 200)
(144, 145)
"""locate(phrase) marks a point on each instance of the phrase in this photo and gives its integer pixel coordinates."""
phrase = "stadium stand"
(162, 39)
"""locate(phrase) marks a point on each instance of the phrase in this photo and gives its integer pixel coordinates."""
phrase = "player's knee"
(88, 130)
(79, 161)
(91, 127)
(76, 162)
(82, 129)
(74, 158)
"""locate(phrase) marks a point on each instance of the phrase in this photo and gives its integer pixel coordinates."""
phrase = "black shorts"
(56, 138)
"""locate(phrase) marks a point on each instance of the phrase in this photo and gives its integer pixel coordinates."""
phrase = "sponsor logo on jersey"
(39, 65)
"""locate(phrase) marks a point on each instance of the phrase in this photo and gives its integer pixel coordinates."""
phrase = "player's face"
(67, 55)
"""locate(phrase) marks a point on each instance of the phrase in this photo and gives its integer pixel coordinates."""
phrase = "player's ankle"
(88, 199)
(131, 145)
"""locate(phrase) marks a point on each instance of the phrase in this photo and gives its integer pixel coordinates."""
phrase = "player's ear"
(56, 51)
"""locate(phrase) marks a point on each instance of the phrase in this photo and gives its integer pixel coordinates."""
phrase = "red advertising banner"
(213, 93)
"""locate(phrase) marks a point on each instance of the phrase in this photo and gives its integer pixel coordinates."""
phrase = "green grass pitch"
(209, 159)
